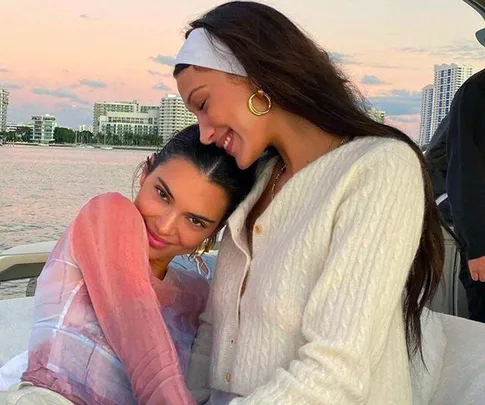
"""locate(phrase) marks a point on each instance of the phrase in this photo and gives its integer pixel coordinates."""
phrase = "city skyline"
(63, 57)
(437, 97)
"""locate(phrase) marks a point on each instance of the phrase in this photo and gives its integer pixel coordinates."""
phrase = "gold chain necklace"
(283, 168)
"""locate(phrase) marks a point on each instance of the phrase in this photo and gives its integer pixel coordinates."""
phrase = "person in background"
(114, 319)
(325, 268)
(456, 156)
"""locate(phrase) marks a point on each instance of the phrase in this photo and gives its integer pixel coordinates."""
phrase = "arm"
(466, 167)
(377, 228)
(108, 242)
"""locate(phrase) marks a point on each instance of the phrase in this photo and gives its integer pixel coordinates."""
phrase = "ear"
(143, 175)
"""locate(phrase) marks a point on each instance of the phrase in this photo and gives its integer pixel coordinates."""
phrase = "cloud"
(3, 70)
(407, 118)
(11, 86)
(84, 16)
(342, 58)
(371, 80)
(398, 102)
(154, 73)
(59, 93)
(161, 86)
(464, 51)
(95, 84)
(164, 60)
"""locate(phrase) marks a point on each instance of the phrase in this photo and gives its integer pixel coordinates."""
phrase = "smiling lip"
(156, 242)
(222, 140)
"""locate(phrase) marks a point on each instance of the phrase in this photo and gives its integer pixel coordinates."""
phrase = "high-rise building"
(121, 123)
(164, 120)
(377, 115)
(43, 128)
(447, 80)
(426, 114)
(174, 116)
(104, 107)
(3, 109)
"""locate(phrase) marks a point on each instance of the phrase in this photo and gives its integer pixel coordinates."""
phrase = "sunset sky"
(59, 56)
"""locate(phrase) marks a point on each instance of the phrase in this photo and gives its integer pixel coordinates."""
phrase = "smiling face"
(180, 207)
(220, 102)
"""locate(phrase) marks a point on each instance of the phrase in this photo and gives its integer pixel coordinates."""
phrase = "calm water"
(43, 188)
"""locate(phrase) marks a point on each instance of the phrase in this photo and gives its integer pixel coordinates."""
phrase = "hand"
(477, 268)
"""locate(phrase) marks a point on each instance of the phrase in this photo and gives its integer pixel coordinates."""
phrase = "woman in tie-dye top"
(114, 320)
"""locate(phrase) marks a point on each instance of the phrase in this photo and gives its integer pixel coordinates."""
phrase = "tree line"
(64, 135)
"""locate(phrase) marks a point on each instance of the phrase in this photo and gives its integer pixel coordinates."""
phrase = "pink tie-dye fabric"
(103, 323)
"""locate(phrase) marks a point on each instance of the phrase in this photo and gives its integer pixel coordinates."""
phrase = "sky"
(60, 56)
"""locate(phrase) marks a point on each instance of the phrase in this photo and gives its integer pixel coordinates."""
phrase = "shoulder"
(378, 154)
(386, 150)
(472, 91)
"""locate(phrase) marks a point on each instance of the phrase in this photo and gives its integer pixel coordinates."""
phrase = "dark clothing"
(438, 166)
(456, 157)
(465, 180)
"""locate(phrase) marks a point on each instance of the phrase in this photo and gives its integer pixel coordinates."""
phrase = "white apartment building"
(137, 123)
(83, 128)
(11, 127)
(425, 133)
(3, 109)
(173, 116)
(124, 107)
(43, 128)
(448, 78)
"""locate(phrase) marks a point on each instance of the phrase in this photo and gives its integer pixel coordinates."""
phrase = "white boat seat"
(462, 377)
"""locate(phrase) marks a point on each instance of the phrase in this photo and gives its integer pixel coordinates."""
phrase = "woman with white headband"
(325, 268)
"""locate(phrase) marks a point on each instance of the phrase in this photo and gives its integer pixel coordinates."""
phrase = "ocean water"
(43, 188)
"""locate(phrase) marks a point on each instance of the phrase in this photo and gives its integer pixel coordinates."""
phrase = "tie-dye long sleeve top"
(106, 331)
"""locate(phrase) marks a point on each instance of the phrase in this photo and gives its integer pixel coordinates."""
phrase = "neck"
(159, 267)
(299, 142)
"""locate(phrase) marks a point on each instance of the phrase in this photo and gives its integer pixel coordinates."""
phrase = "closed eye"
(201, 106)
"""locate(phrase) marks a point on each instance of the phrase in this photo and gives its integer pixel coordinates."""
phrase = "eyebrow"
(200, 217)
(166, 187)
(193, 91)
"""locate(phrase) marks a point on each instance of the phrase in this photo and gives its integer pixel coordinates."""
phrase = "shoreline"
(84, 146)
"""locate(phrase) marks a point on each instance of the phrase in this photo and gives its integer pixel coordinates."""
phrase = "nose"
(207, 133)
(166, 223)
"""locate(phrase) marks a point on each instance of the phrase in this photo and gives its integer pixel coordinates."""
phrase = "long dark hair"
(300, 77)
(213, 162)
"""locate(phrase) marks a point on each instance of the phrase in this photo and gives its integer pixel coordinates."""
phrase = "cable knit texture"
(320, 321)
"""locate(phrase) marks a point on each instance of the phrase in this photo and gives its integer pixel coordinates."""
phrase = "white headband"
(204, 50)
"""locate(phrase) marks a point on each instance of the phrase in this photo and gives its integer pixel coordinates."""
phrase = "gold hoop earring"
(204, 247)
(260, 93)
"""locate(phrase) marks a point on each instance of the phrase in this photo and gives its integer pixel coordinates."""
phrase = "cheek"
(190, 239)
(148, 202)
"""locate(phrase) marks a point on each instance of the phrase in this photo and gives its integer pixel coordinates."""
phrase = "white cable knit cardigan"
(321, 316)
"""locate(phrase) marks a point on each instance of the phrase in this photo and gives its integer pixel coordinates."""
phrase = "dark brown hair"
(300, 77)
(219, 167)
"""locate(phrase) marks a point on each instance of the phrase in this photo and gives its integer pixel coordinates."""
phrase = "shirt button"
(258, 228)
(228, 377)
